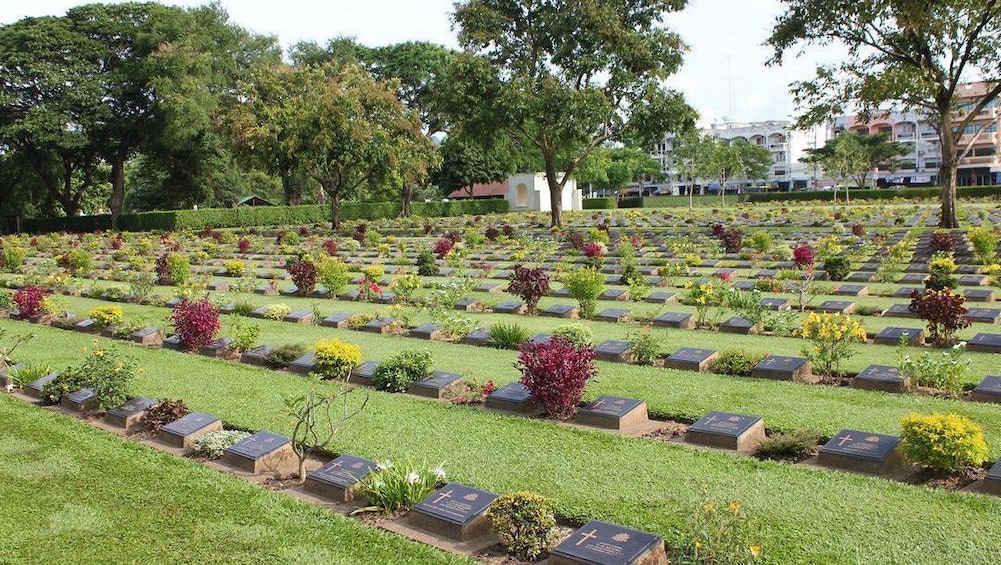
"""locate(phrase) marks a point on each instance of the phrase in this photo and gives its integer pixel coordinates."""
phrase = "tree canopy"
(907, 54)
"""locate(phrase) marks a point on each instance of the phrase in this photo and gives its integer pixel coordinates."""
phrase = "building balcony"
(778, 146)
(904, 135)
(987, 160)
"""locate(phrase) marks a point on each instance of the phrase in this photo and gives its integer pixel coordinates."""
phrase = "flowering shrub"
(803, 256)
(303, 273)
(718, 533)
(577, 334)
(556, 373)
(944, 242)
(530, 284)
(74, 261)
(858, 230)
(942, 311)
(525, 523)
(335, 358)
(107, 316)
(469, 392)
(172, 268)
(443, 247)
(831, 336)
(30, 301)
(942, 372)
(235, 267)
(943, 442)
(985, 244)
(196, 323)
(104, 371)
(941, 274)
(585, 286)
(707, 298)
(214, 444)
(392, 488)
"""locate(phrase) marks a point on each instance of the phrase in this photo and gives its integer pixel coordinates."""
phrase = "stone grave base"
(746, 442)
(861, 465)
(632, 419)
(279, 461)
(174, 440)
(477, 527)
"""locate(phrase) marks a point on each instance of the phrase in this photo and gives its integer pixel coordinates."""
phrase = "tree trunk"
(408, 196)
(555, 193)
(117, 189)
(947, 173)
(335, 209)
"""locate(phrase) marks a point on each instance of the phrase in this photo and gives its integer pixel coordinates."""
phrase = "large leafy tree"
(912, 54)
(756, 160)
(718, 160)
(564, 77)
(612, 168)
(854, 155)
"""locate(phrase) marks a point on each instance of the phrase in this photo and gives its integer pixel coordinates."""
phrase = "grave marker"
(863, 452)
(455, 511)
(363, 374)
(985, 343)
(184, 431)
(304, 365)
(130, 414)
(892, 336)
(989, 390)
(337, 479)
(83, 400)
(613, 412)
(691, 359)
(263, 452)
(380, 326)
(613, 315)
(436, 385)
(661, 298)
(148, 336)
(899, 311)
(218, 348)
(783, 368)
(992, 483)
(560, 311)
(737, 325)
(34, 388)
(479, 336)
(257, 356)
(339, 320)
(983, 315)
(511, 307)
(603, 543)
(852, 290)
(513, 397)
(304, 317)
(880, 377)
(727, 431)
(430, 331)
(837, 307)
(682, 320)
(614, 350)
(978, 295)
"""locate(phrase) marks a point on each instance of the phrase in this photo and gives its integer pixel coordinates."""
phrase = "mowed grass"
(74, 494)
(799, 515)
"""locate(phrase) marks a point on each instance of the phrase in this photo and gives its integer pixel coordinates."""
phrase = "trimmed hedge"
(605, 203)
(259, 216)
(927, 193)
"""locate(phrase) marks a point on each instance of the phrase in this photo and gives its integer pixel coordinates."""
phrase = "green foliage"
(943, 442)
(578, 334)
(985, 244)
(107, 316)
(507, 335)
(737, 362)
(11, 257)
(277, 311)
(333, 274)
(163, 413)
(646, 347)
(283, 355)
(606, 203)
(792, 445)
(525, 523)
(397, 373)
(427, 265)
(718, 533)
(395, 487)
(245, 336)
(942, 371)
(761, 241)
(335, 359)
(104, 370)
(585, 285)
(837, 268)
(28, 374)
(212, 445)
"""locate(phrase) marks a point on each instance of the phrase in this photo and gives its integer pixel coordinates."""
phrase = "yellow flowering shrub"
(945, 442)
(335, 358)
(831, 337)
(235, 268)
(106, 316)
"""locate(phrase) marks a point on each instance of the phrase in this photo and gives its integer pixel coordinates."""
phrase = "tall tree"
(853, 156)
(720, 161)
(756, 160)
(613, 168)
(912, 54)
(565, 77)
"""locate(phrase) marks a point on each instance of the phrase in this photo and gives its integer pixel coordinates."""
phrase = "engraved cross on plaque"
(588, 536)
(845, 439)
(711, 419)
(442, 496)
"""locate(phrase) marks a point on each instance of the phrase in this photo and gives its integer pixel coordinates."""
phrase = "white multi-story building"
(786, 145)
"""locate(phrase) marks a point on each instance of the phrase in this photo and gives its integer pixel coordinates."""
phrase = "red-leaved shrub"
(594, 249)
(803, 256)
(30, 301)
(443, 247)
(195, 323)
(556, 372)
(943, 311)
(492, 233)
(303, 273)
(943, 241)
(330, 247)
(733, 240)
(243, 245)
(530, 284)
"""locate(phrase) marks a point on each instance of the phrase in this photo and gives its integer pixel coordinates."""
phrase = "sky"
(724, 75)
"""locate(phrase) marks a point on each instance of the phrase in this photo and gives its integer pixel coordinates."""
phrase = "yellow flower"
(734, 506)
(755, 550)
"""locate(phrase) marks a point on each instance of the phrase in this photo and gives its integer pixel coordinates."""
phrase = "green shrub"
(214, 444)
(392, 488)
(943, 442)
(985, 244)
(283, 355)
(761, 241)
(737, 362)
(943, 371)
(332, 273)
(104, 371)
(75, 261)
(578, 334)
(525, 523)
(397, 373)
(28, 374)
(335, 359)
(604, 203)
(235, 268)
(837, 268)
(277, 311)
(507, 335)
(245, 336)
(645, 347)
(426, 263)
(793, 445)
(585, 286)
(12, 258)
(107, 316)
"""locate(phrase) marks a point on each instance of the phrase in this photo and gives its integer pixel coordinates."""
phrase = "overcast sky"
(723, 77)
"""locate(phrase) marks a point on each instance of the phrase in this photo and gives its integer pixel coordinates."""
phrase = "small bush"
(426, 264)
(104, 371)
(283, 355)
(245, 336)
(737, 362)
(831, 337)
(943, 371)
(163, 413)
(196, 323)
(761, 241)
(943, 242)
(235, 268)
(837, 268)
(393, 488)
(943, 442)
(732, 240)
(397, 373)
(578, 334)
(172, 268)
(75, 261)
(303, 273)
(942, 311)
(11, 258)
(277, 311)
(556, 373)
(941, 274)
(585, 286)
(107, 316)
(803, 256)
(507, 335)
(28, 374)
(333, 274)
(985, 244)
(793, 445)
(530, 284)
(213, 445)
(525, 523)
(30, 301)
(335, 359)
(645, 347)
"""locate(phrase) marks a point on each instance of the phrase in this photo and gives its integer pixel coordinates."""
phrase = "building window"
(521, 196)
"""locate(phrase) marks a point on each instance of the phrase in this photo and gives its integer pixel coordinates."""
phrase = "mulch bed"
(948, 481)
(669, 431)
(281, 483)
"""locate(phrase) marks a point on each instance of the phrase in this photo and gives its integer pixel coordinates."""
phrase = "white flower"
(439, 473)
(387, 464)
(960, 345)
(413, 477)
(377, 484)
(10, 387)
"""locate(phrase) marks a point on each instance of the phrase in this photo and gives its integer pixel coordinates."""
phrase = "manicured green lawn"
(74, 494)
(799, 515)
